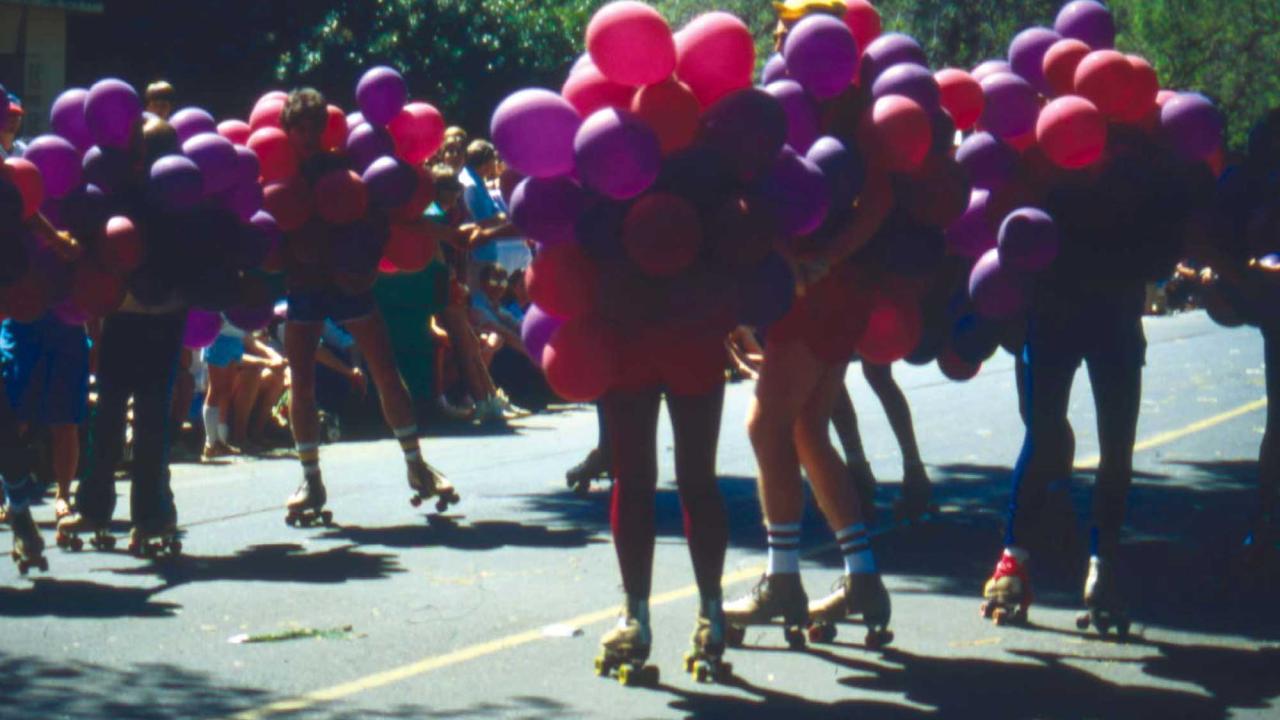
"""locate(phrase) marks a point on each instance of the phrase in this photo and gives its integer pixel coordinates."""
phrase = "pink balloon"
(418, 131)
(588, 90)
(631, 43)
(237, 131)
(715, 55)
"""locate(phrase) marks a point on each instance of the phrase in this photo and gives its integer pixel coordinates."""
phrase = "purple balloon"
(202, 329)
(972, 235)
(746, 128)
(803, 124)
(997, 292)
(390, 182)
(1028, 240)
(616, 153)
(68, 313)
(243, 199)
(108, 168)
(534, 131)
(842, 168)
(912, 81)
(176, 182)
(1026, 56)
(536, 331)
(217, 159)
(1088, 21)
(766, 293)
(66, 118)
(991, 163)
(988, 68)
(58, 162)
(1011, 106)
(775, 69)
(192, 121)
(247, 166)
(111, 110)
(1192, 125)
(366, 143)
(547, 209)
(266, 224)
(354, 119)
(888, 50)
(797, 194)
(251, 319)
(381, 94)
(822, 55)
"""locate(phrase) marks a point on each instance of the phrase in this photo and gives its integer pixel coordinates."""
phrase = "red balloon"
(26, 177)
(410, 248)
(580, 359)
(834, 313)
(662, 234)
(938, 193)
(1072, 132)
(863, 21)
(961, 96)
(27, 299)
(418, 130)
(335, 129)
(1060, 63)
(588, 90)
(955, 368)
(897, 133)
(715, 55)
(120, 251)
(290, 202)
(690, 364)
(894, 328)
(341, 197)
(631, 43)
(237, 131)
(1105, 78)
(266, 113)
(563, 281)
(1143, 88)
(276, 157)
(671, 109)
(96, 292)
(423, 196)
(1022, 142)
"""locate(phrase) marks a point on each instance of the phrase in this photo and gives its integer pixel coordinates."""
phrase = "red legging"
(632, 422)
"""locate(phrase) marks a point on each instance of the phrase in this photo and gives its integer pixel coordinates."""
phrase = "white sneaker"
(455, 412)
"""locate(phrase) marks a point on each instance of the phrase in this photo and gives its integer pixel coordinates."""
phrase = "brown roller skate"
(775, 597)
(427, 483)
(28, 546)
(862, 595)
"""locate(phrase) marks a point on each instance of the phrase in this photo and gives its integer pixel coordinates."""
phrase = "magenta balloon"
(797, 193)
(390, 182)
(251, 319)
(1026, 56)
(803, 124)
(202, 329)
(821, 55)
(176, 182)
(534, 131)
(547, 209)
(217, 159)
(774, 69)
(988, 68)
(886, 51)
(243, 199)
(912, 81)
(111, 110)
(108, 168)
(1192, 125)
(58, 162)
(997, 292)
(991, 163)
(381, 94)
(617, 154)
(1010, 107)
(972, 235)
(1088, 21)
(366, 143)
(192, 121)
(247, 166)
(536, 331)
(66, 118)
(1028, 240)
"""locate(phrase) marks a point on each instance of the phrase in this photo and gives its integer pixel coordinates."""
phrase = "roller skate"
(1105, 607)
(61, 508)
(71, 527)
(28, 546)
(1008, 593)
(4, 512)
(916, 491)
(165, 541)
(864, 484)
(775, 596)
(862, 595)
(306, 506)
(428, 482)
(580, 476)
(705, 659)
(625, 649)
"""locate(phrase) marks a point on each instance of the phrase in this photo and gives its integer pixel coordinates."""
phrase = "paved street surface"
(495, 610)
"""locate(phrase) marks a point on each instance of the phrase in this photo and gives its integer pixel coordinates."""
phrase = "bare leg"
(244, 397)
(827, 474)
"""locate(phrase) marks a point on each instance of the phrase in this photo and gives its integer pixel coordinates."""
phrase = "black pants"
(138, 358)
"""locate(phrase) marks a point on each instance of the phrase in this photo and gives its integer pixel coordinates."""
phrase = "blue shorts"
(46, 370)
(226, 351)
(315, 306)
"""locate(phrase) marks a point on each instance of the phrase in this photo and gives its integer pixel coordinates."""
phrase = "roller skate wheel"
(649, 676)
(43, 564)
(877, 639)
(734, 636)
(1103, 623)
(441, 505)
(795, 638)
(822, 633)
(582, 489)
(416, 501)
(701, 672)
(690, 660)
(1000, 616)
(625, 675)
(326, 517)
(1082, 621)
(601, 667)
(987, 610)
(291, 520)
(176, 547)
(1122, 629)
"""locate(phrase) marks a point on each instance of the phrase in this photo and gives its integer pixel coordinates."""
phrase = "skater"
(20, 490)
(596, 465)
(224, 359)
(313, 297)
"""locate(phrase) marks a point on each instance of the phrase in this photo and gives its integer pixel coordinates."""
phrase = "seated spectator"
(514, 371)
(262, 379)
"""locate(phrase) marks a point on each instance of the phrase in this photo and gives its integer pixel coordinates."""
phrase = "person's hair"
(446, 181)
(305, 109)
(792, 11)
(158, 139)
(160, 90)
(480, 152)
(455, 133)
(490, 271)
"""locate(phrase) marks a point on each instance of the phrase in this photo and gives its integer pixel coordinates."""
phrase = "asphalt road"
(495, 610)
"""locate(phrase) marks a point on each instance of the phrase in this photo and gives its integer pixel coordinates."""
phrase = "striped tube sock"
(408, 437)
(309, 455)
(855, 546)
(784, 548)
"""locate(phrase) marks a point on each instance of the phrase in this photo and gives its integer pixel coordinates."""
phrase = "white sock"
(224, 433)
(855, 546)
(784, 548)
(210, 425)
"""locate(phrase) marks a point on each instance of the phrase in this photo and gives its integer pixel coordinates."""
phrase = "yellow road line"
(511, 642)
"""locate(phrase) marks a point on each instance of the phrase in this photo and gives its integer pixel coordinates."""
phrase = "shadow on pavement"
(49, 597)
(483, 535)
(282, 563)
